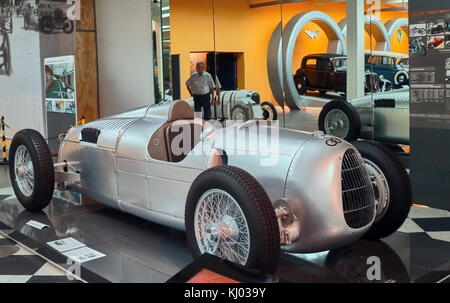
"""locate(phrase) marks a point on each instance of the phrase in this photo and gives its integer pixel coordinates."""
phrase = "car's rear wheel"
(391, 186)
(31, 170)
(228, 214)
(340, 119)
(68, 26)
(269, 111)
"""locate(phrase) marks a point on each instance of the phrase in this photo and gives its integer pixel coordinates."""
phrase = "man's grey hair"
(200, 63)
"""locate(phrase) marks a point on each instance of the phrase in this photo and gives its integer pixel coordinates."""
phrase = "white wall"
(21, 92)
(124, 41)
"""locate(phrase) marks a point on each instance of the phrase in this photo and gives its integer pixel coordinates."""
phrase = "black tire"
(245, 112)
(44, 174)
(266, 114)
(400, 198)
(46, 25)
(264, 249)
(398, 78)
(300, 83)
(349, 111)
(394, 148)
(68, 26)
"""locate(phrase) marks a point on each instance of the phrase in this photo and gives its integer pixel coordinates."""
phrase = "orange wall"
(244, 30)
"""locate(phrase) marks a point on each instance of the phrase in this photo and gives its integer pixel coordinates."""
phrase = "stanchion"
(5, 160)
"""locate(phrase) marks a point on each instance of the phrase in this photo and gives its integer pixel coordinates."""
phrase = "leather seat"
(178, 136)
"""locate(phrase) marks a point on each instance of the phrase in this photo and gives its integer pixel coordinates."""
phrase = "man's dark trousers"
(203, 101)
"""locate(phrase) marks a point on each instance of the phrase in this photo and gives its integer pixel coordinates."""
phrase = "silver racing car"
(236, 196)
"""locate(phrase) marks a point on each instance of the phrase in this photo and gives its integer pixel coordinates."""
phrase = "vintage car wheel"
(401, 78)
(228, 214)
(240, 113)
(340, 119)
(300, 83)
(31, 170)
(269, 111)
(46, 25)
(391, 186)
(68, 26)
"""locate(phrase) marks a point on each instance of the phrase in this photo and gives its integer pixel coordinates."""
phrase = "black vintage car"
(436, 29)
(328, 72)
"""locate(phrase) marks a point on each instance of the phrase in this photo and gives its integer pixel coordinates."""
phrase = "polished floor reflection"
(141, 251)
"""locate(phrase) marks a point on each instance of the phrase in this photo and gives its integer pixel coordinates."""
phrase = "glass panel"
(248, 59)
(314, 58)
(183, 36)
(162, 62)
(387, 59)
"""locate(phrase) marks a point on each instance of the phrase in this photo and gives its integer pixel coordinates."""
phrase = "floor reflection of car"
(328, 72)
(387, 65)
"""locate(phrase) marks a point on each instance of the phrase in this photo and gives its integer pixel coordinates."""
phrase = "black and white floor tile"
(24, 266)
(435, 223)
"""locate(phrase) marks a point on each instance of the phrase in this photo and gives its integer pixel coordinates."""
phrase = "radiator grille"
(357, 192)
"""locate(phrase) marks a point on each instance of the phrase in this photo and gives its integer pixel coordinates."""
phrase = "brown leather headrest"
(180, 110)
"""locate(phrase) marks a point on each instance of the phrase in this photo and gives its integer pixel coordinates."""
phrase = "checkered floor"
(24, 266)
(433, 222)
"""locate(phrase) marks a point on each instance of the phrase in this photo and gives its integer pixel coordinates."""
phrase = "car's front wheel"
(228, 214)
(391, 186)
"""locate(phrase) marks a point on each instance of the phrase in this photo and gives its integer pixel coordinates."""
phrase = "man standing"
(201, 86)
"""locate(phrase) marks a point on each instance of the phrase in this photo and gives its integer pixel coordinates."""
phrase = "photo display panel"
(429, 32)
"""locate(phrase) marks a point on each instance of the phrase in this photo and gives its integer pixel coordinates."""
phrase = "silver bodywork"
(229, 99)
(385, 124)
(119, 172)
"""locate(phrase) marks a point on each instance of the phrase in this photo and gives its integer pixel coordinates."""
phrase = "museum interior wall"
(20, 88)
(233, 26)
(124, 55)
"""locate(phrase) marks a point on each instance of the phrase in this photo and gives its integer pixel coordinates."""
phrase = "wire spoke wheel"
(24, 170)
(380, 187)
(221, 227)
(337, 123)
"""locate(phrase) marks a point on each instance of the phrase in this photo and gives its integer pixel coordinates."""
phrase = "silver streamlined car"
(381, 117)
(241, 105)
(302, 192)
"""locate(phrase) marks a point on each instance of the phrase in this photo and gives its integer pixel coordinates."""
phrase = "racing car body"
(301, 192)
(382, 117)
